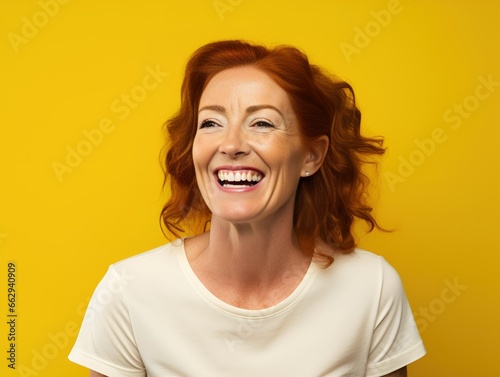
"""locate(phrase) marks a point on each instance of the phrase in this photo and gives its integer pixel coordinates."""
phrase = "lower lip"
(237, 189)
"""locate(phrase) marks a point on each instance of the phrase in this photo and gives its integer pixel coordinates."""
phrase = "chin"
(235, 216)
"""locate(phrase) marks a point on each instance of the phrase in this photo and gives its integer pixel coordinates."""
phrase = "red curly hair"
(328, 202)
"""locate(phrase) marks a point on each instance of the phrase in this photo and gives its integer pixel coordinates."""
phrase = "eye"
(208, 124)
(263, 124)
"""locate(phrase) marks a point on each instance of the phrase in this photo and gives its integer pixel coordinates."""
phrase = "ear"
(315, 156)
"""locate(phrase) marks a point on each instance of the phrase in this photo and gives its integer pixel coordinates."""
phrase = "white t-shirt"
(151, 316)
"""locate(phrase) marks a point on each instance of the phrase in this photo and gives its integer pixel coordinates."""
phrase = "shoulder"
(155, 262)
(155, 271)
(361, 261)
(362, 270)
(158, 254)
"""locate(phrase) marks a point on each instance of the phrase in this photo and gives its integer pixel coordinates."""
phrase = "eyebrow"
(249, 110)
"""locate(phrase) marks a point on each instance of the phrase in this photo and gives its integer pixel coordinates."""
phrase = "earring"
(307, 173)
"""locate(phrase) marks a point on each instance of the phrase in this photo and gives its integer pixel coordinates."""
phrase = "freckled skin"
(246, 120)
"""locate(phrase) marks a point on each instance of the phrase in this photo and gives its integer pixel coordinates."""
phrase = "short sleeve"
(106, 342)
(396, 341)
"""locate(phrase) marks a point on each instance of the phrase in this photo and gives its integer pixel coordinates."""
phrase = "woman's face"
(247, 151)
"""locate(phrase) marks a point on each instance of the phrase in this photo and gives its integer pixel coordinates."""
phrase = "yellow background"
(410, 71)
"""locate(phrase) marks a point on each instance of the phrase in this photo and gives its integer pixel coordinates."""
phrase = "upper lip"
(234, 168)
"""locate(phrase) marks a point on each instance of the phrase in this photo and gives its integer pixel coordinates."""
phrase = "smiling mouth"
(238, 178)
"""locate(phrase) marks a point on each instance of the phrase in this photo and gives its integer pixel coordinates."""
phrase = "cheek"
(198, 153)
(284, 153)
(202, 153)
(272, 146)
(198, 162)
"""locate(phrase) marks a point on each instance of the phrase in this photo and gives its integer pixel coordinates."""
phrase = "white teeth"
(238, 176)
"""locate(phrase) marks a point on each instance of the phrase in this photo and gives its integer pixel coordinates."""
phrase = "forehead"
(245, 85)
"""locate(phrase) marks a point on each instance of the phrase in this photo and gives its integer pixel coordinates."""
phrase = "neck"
(256, 254)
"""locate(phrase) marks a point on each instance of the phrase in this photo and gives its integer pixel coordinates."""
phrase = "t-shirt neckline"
(227, 308)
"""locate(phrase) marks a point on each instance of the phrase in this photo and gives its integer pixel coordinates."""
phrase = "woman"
(265, 168)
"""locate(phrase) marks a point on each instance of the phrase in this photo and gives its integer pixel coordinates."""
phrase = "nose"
(234, 143)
